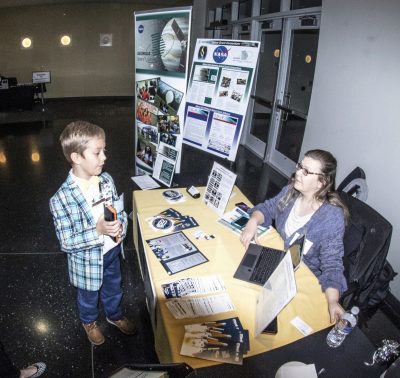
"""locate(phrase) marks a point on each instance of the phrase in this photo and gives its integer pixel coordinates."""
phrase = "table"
(224, 253)
(17, 98)
(347, 361)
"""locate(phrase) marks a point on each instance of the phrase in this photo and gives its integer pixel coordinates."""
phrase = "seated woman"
(310, 207)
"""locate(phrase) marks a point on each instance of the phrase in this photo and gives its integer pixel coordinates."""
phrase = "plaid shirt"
(76, 231)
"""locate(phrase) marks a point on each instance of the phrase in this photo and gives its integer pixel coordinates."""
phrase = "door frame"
(291, 20)
(272, 155)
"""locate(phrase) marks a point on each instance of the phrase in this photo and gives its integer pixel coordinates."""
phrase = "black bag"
(381, 288)
(366, 244)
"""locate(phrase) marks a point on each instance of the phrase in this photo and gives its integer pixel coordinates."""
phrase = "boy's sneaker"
(94, 333)
(124, 325)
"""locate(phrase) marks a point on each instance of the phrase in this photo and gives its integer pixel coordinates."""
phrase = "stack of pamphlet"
(171, 220)
(237, 219)
(223, 340)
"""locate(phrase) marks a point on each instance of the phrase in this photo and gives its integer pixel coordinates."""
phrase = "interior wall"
(82, 69)
(354, 110)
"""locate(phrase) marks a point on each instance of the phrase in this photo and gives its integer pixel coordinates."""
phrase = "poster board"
(218, 94)
(161, 59)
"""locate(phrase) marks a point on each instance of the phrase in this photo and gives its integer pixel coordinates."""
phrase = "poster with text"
(218, 94)
(161, 60)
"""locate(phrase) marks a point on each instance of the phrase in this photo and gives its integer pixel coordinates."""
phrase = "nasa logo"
(220, 54)
(141, 29)
(161, 223)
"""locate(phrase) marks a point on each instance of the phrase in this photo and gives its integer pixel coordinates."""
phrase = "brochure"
(237, 219)
(193, 286)
(219, 187)
(176, 252)
(224, 340)
(182, 308)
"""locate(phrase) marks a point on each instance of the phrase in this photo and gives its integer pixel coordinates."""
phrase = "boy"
(92, 244)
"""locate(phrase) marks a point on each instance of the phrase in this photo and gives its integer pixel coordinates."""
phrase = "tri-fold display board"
(218, 94)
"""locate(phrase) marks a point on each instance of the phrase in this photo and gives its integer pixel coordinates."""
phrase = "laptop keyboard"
(267, 261)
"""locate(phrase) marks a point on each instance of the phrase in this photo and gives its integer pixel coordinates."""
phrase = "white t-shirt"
(294, 221)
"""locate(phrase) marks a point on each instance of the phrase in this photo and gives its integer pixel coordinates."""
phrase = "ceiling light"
(35, 157)
(26, 43)
(65, 40)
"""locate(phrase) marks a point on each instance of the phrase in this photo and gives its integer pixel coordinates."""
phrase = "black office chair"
(366, 244)
(355, 184)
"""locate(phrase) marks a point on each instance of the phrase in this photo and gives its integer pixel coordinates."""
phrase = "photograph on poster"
(148, 132)
(146, 89)
(236, 96)
(162, 43)
(167, 98)
(169, 139)
(205, 74)
(146, 113)
(168, 151)
(226, 82)
(168, 124)
(146, 151)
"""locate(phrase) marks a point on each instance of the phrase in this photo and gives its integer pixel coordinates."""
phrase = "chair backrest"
(366, 244)
(355, 184)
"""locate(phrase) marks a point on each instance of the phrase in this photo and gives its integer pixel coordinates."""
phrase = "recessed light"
(65, 40)
(26, 43)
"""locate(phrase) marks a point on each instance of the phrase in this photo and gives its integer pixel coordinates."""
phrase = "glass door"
(300, 44)
(263, 100)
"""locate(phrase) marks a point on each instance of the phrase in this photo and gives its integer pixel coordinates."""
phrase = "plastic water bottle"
(342, 328)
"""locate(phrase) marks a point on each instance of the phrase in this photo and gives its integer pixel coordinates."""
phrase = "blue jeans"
(110, 291)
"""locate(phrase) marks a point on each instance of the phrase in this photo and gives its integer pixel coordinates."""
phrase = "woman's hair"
(76, 136)
(327, 192)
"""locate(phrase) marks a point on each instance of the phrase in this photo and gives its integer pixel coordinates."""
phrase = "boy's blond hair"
(76, 136)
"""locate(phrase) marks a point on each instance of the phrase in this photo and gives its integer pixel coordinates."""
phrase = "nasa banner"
(161, 60)
(218, 94)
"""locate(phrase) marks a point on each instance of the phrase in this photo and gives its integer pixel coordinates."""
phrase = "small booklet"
(236, 221)
(223, 340)
(176, 252)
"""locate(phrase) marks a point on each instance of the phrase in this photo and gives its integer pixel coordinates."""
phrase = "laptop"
(260, 262)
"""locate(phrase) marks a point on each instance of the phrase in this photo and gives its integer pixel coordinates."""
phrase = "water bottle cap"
(355, 310)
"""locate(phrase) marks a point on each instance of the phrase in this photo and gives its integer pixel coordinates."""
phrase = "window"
(245, 8)
(300, 4)
(270, 6)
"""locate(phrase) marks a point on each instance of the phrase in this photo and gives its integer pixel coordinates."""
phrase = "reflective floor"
(38, 315)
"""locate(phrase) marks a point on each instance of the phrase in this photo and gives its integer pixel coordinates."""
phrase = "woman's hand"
(249, 233)
(334, 308)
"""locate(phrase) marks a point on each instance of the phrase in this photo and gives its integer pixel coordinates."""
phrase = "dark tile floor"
(38, 317)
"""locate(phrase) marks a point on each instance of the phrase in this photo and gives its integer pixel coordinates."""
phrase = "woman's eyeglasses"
(305, 171)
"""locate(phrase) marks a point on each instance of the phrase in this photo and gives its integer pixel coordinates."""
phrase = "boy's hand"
(113, 228)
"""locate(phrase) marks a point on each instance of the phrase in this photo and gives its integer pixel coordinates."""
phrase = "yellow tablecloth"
(224, 253)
